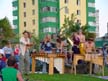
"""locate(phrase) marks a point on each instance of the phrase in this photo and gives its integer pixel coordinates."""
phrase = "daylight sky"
(102, 5)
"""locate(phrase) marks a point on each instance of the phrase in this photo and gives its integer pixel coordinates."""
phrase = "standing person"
(17, 52)
(76, 42)
(8, 50)
(82, 42)
(25, 55)
(10, 73)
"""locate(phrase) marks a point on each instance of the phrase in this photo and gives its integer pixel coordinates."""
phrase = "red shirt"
(16, 51)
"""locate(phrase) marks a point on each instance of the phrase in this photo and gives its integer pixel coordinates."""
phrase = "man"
(25, 55)
(10, 73)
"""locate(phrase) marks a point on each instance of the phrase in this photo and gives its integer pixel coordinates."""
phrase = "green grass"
(64, 77)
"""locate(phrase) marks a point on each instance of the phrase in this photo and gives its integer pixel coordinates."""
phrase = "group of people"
(50, 44)
(15, 60)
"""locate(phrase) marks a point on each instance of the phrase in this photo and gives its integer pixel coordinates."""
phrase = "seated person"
(10, 73)
(2, 60)
(90, 46)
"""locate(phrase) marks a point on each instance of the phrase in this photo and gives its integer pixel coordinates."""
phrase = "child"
(17, 52)
(2, 59)
(2, 62)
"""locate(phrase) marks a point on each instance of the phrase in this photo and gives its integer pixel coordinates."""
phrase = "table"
(92, 58)
(51, 59)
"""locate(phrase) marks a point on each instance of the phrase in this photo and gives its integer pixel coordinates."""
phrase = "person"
(82, 42)
(2, 60)
(76, 41)
(25, 55)
(8, 50)
(53, 42)
(90, 46)
(105, 54)
(47, 44)
(17, 52)
(10, 73)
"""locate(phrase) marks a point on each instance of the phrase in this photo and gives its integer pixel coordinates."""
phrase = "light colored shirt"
(8, 50)
(23, 43)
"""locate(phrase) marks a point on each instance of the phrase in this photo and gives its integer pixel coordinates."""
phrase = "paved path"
(103, 77)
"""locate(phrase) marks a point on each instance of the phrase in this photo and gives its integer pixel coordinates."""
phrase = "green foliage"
(6, 32)
(70, 25)
(36, 42)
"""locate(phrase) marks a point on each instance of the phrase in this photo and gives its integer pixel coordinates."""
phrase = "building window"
(49, 19)
(33, 12)
(78, 12)
(24, 14)
(78, 2)
(51, 9)
(24, 24)
(66, 1)
(66, 10)
(24, 5)
(33, 21)
(33, 2)
(49, 30)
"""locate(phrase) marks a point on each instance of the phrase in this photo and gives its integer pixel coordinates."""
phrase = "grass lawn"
(64, 77)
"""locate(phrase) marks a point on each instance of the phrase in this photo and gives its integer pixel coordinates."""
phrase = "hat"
(1, 51)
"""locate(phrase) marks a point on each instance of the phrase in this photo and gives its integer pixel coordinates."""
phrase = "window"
(66, 10)
(33, 2)
(33, 12)
(49, 19)
(78, 12)
(24, 5)
(49, 29)
(24, 14)
(51, 9)
(79, 22)
(33, 21)
(78, 2)
(65, 1)
(24, 24)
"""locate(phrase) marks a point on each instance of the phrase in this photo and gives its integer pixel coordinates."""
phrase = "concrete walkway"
(103, 77)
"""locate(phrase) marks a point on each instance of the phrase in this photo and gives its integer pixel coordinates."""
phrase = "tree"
(70, 25)
(87, 33)
(6, 32)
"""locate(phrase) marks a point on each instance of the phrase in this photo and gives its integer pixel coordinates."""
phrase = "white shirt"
(23, 43)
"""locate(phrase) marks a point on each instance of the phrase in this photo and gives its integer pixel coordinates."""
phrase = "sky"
(102, 5)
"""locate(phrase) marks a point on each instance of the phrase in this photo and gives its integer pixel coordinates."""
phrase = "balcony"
(91, 9)
(15, 22)
(91, 4)
(15, 3)
(15, 13)
(92, 23)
